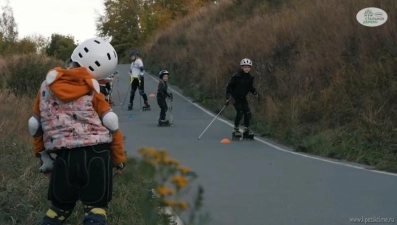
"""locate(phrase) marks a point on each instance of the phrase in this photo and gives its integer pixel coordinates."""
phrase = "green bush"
(25, 73)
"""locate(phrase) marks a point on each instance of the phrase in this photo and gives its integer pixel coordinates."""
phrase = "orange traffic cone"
(225, 141)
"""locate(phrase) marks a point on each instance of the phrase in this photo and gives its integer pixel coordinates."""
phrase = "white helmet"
(245, 62)
(162, 73)
(97, 55)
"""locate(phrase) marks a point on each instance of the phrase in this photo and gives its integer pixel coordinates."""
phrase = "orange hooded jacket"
(69, 85)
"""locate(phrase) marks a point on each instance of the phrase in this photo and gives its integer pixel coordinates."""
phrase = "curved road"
(251, 182)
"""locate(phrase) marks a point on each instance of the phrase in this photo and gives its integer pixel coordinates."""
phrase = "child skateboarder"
(240, 84)
(162, 95)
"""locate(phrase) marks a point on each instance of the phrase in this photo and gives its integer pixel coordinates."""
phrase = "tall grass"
(327, 83)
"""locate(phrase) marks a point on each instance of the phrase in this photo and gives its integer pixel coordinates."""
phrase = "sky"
(67, 17)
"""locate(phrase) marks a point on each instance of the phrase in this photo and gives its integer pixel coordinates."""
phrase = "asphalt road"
(250, 182)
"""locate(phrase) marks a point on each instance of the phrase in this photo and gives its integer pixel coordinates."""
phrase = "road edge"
(270, 144)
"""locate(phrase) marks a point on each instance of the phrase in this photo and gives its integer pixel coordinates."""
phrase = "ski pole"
(118, 92)
(140, 100)
(170, 110)
(211, 122)
(118, 87)
(129, 86)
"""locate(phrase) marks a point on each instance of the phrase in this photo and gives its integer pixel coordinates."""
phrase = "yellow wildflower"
(149, 152)
(157, 158)
(163, 191)
(184, 169)
(169, 202)
(148, 161)
(171, 161)
(162, 153)
(168, 161)
(142, 151)
(161, 156)
(174, 162)
(182, 205)
(179, 181)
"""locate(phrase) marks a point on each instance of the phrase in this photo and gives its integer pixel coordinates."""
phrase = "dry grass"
(18, 168)
(327, 83)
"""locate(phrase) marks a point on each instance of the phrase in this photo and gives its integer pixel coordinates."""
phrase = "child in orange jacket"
(73, 121)
(106, 86)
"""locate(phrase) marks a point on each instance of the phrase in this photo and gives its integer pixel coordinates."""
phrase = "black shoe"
(247, 133)
(146, 106)
(164, 122)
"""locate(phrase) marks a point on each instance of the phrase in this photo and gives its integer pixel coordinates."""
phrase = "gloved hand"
(47, 162)
(170, 96)
(228, 98)
(227, 101)
(120, 168)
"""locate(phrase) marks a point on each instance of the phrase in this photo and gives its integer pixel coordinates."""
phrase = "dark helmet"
(162, 73)
(134, 52)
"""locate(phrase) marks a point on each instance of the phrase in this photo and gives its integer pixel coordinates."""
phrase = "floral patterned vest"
(70, 125)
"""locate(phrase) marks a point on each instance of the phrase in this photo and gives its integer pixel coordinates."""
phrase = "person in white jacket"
(137, 80)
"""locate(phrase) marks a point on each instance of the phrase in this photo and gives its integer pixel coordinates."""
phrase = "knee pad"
(141, 92)
(111, 121)
(56, 216)
(94, 215)
(34, 127)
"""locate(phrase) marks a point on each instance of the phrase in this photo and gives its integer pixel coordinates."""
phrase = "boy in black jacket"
(162, 95)
(238, 87)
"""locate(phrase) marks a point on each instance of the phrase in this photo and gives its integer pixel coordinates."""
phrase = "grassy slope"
(327, 83)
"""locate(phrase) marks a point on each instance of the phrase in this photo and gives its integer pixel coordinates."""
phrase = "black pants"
(242, 110)
(163, 106)
(134, 86)
(82, 174)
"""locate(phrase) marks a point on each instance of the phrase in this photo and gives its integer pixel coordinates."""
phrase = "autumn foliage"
(131, 23)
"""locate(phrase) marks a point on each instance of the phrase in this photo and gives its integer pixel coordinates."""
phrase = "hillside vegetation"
(327, 84)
